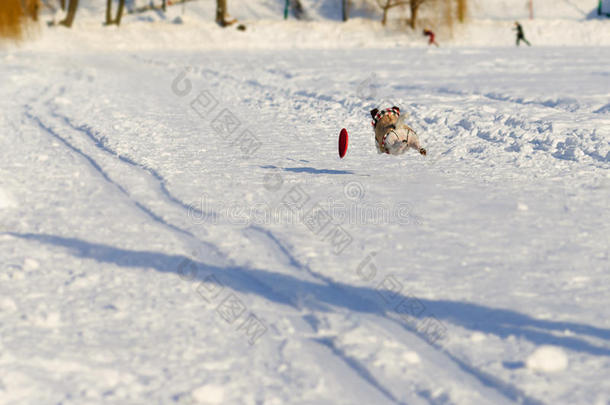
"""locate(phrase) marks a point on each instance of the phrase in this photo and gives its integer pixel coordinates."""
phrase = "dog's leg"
(413, 142)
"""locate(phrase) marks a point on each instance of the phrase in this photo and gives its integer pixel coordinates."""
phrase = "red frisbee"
(343, 138)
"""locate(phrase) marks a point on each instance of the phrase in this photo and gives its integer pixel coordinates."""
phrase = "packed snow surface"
(176, 225)
(186, 231)
(548, 358)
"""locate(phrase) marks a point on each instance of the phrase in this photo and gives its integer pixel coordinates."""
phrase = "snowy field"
(176, 227)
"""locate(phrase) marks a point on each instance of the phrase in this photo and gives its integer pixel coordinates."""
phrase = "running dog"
(392, 135)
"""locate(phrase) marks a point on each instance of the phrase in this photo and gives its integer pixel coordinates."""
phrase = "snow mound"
(411, 358)
(209, 394)
(7, 305)
(31, 264)
(6, 200)
(547, 359)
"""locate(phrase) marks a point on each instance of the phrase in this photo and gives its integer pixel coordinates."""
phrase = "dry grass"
(31, 9)
(11, 19)
(14, 17)
(462, 9)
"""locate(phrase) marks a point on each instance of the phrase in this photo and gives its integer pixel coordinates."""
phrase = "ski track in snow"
(86, 130)
(270, 240)
(484, 379)
(334, 301)
(267, 290)
(505, 389)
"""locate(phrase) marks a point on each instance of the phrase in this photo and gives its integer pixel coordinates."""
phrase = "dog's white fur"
(393, 135)
(399, 140)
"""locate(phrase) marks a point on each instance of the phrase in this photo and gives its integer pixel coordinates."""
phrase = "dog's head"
(386, 117)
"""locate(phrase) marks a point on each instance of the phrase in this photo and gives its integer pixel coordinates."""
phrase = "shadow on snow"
(325, 295)
(310, 170)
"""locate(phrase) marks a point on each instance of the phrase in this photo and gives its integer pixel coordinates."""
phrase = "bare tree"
(119, 12)
(414, 6)
(386, 5)
(221, 11)
(108, 12)
(72, 6)
(116, 20)
(461, 10)
(345, 8)
(222, 14)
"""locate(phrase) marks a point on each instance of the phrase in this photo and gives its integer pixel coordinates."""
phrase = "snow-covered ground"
(176, 225)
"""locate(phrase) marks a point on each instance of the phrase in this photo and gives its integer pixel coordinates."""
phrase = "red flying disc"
(343, 138)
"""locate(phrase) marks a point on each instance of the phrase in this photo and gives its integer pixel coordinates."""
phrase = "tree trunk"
(345, 9)
(62, 3)
(385, 14)
(72, 6)
(119, 12)
(164, 5)
(108, 12)
(221, 12)
(414, 8)
(461, 10)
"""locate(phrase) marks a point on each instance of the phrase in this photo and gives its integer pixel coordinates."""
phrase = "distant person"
(430, 36)
(520, 35)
